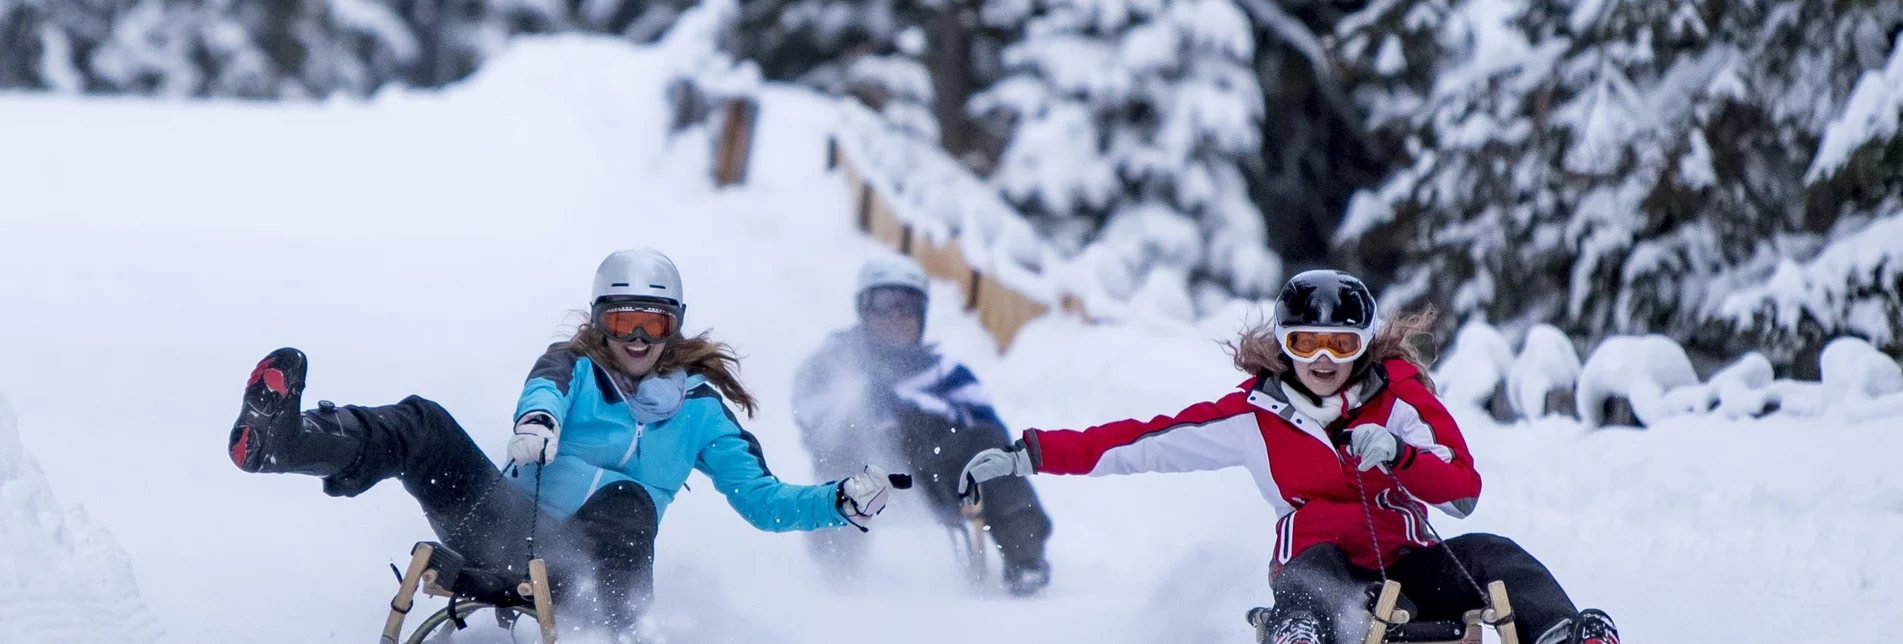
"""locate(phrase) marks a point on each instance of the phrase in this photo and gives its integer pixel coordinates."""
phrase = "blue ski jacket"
(677, 423)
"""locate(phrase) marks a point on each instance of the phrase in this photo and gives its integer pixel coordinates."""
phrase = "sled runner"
(971, 541)
(438, 571)
(1388, 624)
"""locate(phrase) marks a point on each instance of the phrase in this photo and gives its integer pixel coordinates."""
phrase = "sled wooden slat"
(406, 592)
(1500, 615)
(544, 605)
(1383, 612)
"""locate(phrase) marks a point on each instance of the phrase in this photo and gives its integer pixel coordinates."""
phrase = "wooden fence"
(1003, 311)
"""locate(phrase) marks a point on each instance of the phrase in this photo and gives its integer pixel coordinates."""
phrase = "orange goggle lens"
(1310, 344)
(637, 324)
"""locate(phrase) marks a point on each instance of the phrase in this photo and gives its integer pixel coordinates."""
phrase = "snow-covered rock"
(1476, 364)
(62, 578)
(1547, 362)
(1740, 390)
(1743, 388)
(1861, 382)
(1642, 370)
(1852, 367)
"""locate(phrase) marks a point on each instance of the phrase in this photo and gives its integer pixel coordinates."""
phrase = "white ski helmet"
(896, 270)
(639, 272)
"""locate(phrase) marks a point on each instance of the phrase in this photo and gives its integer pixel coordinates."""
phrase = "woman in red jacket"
(1340, 428)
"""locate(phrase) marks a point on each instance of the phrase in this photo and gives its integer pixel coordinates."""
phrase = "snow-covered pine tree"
(1854, 285)
(1129, 124)
(1610, 166)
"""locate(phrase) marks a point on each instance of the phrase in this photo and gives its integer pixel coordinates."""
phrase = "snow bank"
(1744, 389)
(1641, 369)
(62, 578)
(1547, 362)
(1478, 361)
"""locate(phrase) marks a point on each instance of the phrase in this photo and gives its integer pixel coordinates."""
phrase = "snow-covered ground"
(434, 243)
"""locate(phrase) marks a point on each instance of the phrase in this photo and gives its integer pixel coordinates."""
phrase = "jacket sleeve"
(734, 460)
(1206, 436)
(548, 388)
(1434, 463)
(948, 390)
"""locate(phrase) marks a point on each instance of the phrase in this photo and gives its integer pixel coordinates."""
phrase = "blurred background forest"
(1727, 173)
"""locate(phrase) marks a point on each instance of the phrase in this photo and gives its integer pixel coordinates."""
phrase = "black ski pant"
(935, 452)
(601, 559)
(1322, 583)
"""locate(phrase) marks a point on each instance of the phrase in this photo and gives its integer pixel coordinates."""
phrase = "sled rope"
(1458, 565)
(1367, 517)
(535, 511)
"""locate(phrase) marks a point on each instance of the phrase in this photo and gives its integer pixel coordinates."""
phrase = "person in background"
(877, 389)
(1341, 429)
(608, 427)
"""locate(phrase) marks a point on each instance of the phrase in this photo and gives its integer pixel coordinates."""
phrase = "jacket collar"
(1270, 394)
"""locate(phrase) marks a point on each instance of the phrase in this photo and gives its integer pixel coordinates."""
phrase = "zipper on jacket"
(634, 446)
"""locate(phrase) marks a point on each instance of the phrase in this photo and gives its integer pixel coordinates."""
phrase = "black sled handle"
(899, 481)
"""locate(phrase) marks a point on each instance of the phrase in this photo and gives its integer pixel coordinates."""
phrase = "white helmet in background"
(639, 272)
(896, 270)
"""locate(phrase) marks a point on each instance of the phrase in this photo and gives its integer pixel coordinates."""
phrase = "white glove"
(1375, 446)
(535, 436)
(863, 496)
(993, 463)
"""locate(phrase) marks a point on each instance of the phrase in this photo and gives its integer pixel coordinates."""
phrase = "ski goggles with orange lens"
(630, 321)
(1307, 345)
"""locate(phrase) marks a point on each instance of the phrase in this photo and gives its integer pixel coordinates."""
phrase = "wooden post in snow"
(736, 142)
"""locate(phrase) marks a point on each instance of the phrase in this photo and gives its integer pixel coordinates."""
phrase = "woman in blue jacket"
(606, 431)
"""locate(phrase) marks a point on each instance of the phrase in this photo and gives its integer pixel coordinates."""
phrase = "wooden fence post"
(736, 142)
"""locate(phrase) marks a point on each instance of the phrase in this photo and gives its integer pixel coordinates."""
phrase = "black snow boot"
(1594, 626)
(1026, 578)
(272, 435)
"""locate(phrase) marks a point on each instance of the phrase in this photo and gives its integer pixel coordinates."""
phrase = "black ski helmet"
(1326, 298)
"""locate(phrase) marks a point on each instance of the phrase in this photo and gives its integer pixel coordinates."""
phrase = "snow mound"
(1743, 389)
(1861, 381)
(1641, 369)
(1476, 364)
(62, 578)
(1547, 362)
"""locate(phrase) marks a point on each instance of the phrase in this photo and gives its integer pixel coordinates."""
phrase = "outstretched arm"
(1206, 436)
(734, 460)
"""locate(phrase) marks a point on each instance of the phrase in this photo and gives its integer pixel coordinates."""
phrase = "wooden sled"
(436, 571)
(1390, 625)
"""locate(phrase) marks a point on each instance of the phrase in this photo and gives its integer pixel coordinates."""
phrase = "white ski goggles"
(1306, 344)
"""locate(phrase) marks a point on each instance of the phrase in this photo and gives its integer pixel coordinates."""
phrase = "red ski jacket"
(1309, 481)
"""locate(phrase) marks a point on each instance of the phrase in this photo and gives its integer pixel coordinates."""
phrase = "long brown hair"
(1259, 354)
(700, 355)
